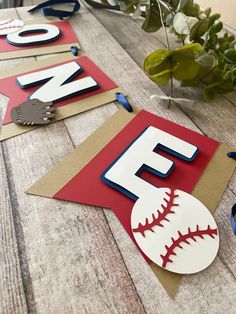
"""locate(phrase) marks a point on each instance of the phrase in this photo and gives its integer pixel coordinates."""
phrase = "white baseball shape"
(10, 26)
(175, 230)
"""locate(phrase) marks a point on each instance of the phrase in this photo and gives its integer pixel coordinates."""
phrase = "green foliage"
(214, 64)
(152, 20)
(206, 54)
(180, 63)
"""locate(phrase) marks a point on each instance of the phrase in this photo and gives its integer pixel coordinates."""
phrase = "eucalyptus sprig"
(205, 53)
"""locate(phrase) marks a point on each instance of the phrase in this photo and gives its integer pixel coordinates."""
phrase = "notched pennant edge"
(208, 190)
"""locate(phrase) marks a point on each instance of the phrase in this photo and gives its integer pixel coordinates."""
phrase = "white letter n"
(58, 82)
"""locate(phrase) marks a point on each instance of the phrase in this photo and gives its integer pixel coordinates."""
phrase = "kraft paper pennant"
(59, 37)
(82, 86)
(78, 177)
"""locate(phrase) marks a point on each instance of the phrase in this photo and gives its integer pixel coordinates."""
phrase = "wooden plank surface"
(78, 259)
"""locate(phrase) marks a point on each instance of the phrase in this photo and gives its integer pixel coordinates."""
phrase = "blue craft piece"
(74, 50)
(232, 155)
(233, 219)
(122, 100)
(61, 14)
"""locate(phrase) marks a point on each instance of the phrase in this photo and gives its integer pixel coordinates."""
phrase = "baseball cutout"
(175, 230)
(10, 26)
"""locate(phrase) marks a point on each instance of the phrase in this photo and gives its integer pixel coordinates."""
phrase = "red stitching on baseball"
(157, 221)
(7, 22)
(7, 27)
(183, 238)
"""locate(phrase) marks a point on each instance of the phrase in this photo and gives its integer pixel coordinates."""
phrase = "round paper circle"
(175, 230)
(10, 26)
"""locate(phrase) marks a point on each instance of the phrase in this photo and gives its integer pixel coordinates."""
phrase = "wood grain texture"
(12, 293)
(15, 282)
(69, 248)
(80, 260)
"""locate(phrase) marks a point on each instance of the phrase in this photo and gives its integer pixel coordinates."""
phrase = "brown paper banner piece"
(208, 190)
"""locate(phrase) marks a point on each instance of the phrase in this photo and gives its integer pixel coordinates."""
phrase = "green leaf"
(230, 54)
(208, 94)
(224, 45)
(157, 66)
(152, 61)
(213, 18)
(233, 44)
(199, 29)
(231, 38)
(188, 8)
(183, 23)
(181, 4)
(162, 77)
(195, 47)
(217, 27)
(130, 8)
(206, 63)
(213, 40)
(152, 20)
(186, 70)
(196, 10)
(169, 19)
(207, 11)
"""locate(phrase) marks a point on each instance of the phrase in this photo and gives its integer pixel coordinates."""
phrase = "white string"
(176, 100)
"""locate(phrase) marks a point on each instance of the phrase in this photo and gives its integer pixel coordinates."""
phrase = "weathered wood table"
(59, 257)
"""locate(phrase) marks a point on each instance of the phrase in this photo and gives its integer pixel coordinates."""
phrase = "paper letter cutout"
(56, 88)
(50, 33)
(77, 177)
(63, 43)
(175, 230)
(142, 155)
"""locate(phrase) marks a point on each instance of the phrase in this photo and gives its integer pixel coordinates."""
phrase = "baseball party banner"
(162, 181)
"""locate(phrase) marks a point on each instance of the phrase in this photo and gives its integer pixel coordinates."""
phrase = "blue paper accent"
(233, 219)
(232, 155)
(122, 100)
(61, 14)
(74, 50)
(143, 167)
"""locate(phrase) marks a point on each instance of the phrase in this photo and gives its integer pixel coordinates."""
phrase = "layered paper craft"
(162, 181)
(73, 84)
(38, 38)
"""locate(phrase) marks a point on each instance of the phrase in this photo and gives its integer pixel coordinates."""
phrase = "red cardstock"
(67, 37)
(17, 95)
(86, 187)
